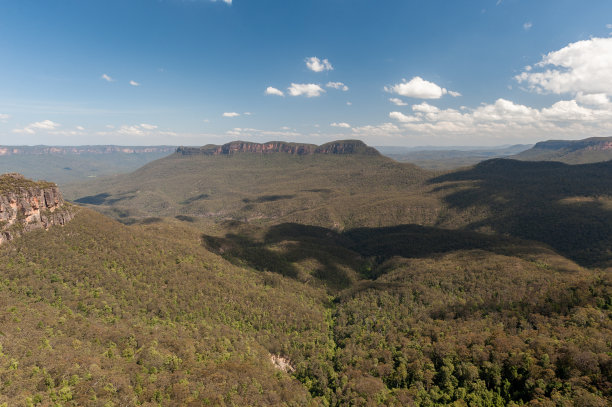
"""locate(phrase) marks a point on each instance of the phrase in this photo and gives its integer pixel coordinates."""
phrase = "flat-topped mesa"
(589, 144)
(334, 147)
(27, 205)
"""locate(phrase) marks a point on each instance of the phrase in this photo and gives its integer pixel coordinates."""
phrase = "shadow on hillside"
(362, 250)
(563, 206)
(103, 199)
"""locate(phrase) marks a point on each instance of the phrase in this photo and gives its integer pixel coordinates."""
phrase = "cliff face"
(26, 205)
(335, 147)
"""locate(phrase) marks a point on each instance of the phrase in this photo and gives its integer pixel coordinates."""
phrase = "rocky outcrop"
(26, 205)
(234, 147)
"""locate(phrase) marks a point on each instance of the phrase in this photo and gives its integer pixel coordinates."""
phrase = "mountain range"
(293, 274)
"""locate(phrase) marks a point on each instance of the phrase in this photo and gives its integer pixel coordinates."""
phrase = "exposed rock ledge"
(26, 205)
(334, 147)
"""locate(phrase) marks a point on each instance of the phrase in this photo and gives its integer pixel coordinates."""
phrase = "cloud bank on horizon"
(407, 89)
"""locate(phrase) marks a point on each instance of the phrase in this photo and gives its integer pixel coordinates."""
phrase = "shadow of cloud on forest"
(529, 200)
(362, 250)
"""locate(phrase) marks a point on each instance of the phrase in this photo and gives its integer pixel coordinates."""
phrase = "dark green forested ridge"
(146, 314)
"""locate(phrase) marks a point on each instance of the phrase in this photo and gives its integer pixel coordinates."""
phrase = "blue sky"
(192, 72)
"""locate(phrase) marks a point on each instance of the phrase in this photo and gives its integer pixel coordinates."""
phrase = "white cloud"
(527, 26)
(307, 89)
(134, 83)
(419, 88)
(337, 85)
(32, 128)
(567, 110)
(141, 131)
(381, 130)
(401, 117)
(349, 103)
(342, 124)
(107, 78)
(80, 128)
(273, 91)
(594, 99)
(4, 117)
(398, 102)
(609, 26)
(504, 118)
(228, 2)
(247, 113)
(583, 66)
(231, 114)
(316, 65)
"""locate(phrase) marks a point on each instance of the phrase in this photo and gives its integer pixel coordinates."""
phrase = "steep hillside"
(26, 205)
(98, 313)
(340, 184)
(590, 150)
(63, 164)
(568, 207)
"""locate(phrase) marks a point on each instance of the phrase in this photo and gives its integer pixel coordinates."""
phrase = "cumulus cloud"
(231, 114)
(134, 83)
(316, 65)
(306, 89)
(273, 91)
(107, 78)
(580, 67)
(401, 117)
(567, 118)
(398, 102)
(594, 99)
(419, 88)
(337, 85)
(143, 130)
(4, 117)
(527, 26)
(381, 130)
(32, 128)
(341, 124)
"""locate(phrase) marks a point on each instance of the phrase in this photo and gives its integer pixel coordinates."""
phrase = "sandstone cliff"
(26, 205)
(334, 147)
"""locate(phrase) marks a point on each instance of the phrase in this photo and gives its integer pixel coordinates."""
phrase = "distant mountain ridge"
(334, 147)
(62, 150)
(590, 150)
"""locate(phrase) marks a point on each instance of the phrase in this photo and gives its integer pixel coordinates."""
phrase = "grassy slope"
(327, 190)
(566, 207)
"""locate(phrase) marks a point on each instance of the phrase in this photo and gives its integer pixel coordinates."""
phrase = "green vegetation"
(99, 312)
(564, 206)
(13, 182)
(340, 191)
(318, 280)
